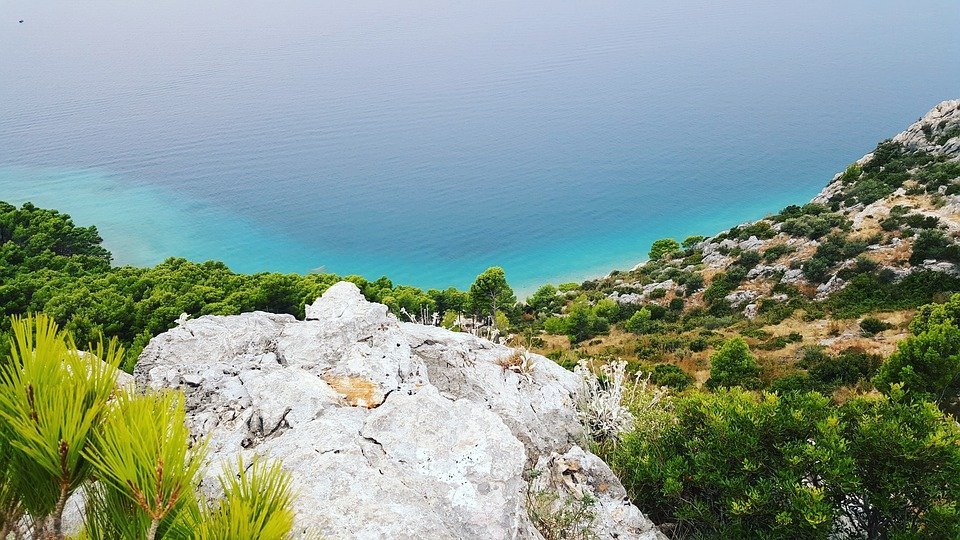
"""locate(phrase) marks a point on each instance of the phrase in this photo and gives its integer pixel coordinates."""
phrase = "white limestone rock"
(394, 430)
(739, 298)
(925, 134)
(571, 476)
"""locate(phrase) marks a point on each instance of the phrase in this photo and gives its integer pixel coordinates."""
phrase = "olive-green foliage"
(691, 241)
(638, 323)
(734, 365)
(734, 465)
(48, 264)
(927, 365)
(825, 372)
(933, 244)
(739, 464)
(886, 171)
(663, 248)
(546, 300)
(834, 249)
(773, 253)
(671, 376)
(872, 325)
(906, 455)
(932, 315)
(811, 220)
(607, 309)
(490, 293)
(872, 292)
(583, 322)
(760, 229)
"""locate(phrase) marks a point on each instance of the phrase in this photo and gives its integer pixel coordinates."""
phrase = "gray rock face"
(391, 430)
(931, 133)
(739, 298)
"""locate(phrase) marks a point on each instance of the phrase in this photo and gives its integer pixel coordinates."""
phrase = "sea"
(427, 140)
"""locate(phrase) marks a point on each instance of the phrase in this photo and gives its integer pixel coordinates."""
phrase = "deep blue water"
(427, 140)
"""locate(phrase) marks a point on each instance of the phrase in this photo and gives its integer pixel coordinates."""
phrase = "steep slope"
(878, 207)
(880, 239)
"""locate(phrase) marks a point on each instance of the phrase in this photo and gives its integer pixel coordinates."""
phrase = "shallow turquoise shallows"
(427, 140)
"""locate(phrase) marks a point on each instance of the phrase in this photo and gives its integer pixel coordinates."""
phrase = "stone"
(751, 244)
(570, 476)
(393, 429)
(793, 275)
(738, 298)
(941, 119)
(833, 285)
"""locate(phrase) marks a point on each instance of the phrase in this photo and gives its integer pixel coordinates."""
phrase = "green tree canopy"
(926, 365)
(491, 292)
(734, 365)
(546, 300)
(662, 248)
(739, 464)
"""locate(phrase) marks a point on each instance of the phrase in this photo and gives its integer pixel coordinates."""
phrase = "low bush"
(872, 325)
(734, 365)
(739, 464)
(933, 244)
(671, 376)
(879, 292)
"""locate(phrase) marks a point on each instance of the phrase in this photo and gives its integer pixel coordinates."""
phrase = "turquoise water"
(427, 140)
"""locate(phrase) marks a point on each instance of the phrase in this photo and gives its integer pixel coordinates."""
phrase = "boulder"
(741, 297)
(390, 429)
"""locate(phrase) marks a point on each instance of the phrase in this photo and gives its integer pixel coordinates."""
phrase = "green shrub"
(775, 252)
(834, 249)
(933, 244)
(665, 247)
(733, 465)
(926, 366)
(693, 283)
(738, 464)
(691, 241)
(828, 372)
(873, 325)
(671, 376)
(733, 365)
(640, 322)
(879, 292)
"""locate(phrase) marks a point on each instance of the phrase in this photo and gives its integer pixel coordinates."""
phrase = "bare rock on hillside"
(394, 430)
(938, 131)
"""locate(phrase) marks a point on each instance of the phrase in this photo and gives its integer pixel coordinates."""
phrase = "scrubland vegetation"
(796, 377)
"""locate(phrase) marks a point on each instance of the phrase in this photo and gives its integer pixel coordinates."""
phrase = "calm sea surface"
(428, 140)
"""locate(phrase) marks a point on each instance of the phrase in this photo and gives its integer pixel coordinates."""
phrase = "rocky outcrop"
(391, 430)
(937, 132)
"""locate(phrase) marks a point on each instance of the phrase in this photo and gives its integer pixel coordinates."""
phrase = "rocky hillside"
(393, 430)
(897, 208)
(892, 214)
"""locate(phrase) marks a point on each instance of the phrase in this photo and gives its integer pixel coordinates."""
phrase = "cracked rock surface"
(390, 429)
